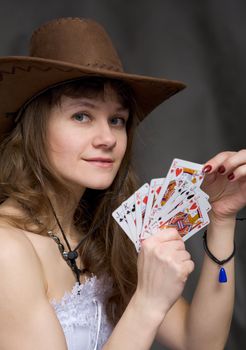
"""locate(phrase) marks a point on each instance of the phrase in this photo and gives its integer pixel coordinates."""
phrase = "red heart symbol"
(158, 190)
(194, 206)
(178, 171)
(145, 200)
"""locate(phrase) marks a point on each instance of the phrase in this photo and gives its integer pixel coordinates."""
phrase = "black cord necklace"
(70, 256)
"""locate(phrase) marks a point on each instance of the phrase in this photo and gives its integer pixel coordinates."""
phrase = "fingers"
(183, 255)
(234, 166)
(189, 266)
(216, 162)
(164, 266)
(166, 249)
(238, 173)
(167, 240)
(230, 164)
(167, 234)
(163, 235)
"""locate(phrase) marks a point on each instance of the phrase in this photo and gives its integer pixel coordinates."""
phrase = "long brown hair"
(26, 176)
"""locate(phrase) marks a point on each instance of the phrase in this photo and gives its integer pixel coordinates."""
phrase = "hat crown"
(77, 41)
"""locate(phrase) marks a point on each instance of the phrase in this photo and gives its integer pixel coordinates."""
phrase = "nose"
(104, 137)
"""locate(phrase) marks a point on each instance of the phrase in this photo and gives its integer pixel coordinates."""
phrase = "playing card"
(154, 189)
(187, 220)
(180, 171)
(130, 214)
(182, 195)
(181, 175)
(204, 198)
(187, 171)
(120, 217)
(174, 189)
(141, 198)
(175, 201)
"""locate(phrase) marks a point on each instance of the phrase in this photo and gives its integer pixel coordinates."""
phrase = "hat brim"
(23, 77)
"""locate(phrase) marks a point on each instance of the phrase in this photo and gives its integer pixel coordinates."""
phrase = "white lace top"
(82, 315)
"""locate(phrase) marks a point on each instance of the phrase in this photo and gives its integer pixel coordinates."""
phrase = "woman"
(69, 278)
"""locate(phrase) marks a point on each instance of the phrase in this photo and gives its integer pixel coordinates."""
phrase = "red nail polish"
(207, 169)
(221, 169)
(231, 176)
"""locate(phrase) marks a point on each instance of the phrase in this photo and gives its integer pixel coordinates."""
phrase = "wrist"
(146, 310)
(221, 221)
(220, 236)
(222, 278)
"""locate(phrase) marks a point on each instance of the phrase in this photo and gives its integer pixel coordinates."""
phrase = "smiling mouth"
(102, 163)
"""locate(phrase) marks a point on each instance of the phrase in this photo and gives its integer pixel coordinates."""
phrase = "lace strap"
(99, 319)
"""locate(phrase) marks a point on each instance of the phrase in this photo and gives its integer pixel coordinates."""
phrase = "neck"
(64, 215)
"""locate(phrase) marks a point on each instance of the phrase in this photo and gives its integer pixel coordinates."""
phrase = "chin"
(94, 182)
(99, 186)
(95, 185)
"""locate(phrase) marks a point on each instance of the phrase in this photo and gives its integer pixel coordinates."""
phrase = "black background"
(201, 43)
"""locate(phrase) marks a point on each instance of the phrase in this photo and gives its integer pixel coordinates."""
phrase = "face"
(87, 140)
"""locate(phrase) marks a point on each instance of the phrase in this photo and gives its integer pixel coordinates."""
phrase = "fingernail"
(207, 169)
(221, 169)
(231, 176)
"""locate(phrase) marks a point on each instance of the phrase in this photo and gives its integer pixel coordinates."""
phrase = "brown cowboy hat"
(63, 50)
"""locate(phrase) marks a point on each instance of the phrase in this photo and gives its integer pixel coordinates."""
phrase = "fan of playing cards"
(175, 201)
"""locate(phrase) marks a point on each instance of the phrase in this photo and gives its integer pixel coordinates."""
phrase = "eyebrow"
(83, 103)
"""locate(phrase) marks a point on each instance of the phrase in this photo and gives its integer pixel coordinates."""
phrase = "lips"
(100, 162)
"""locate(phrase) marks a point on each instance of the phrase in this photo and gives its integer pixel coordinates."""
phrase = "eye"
(81, 117)
(118, 121)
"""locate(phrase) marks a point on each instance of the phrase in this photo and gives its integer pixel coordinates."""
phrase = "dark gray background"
(199, 42)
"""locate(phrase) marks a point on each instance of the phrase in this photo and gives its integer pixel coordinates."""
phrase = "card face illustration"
(180, 173)
(187, 220)
(141, 199)
(186, 171)
(175, 201)
(120, 218)
(154, 190)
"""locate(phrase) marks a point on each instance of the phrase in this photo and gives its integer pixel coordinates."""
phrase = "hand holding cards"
(175, 201)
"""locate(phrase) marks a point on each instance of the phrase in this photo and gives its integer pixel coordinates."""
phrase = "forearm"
(136, 330)
(163, 268)
(210, 313)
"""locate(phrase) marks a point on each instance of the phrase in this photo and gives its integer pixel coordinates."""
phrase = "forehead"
(93, 88)
(95, 103)
(93, 98)
(105, 94)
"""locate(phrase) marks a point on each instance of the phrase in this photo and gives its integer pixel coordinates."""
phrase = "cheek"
(63, 145)
(122, 146)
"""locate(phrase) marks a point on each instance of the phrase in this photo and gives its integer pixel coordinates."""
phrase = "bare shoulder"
(24, 307)
(18, 254)
(11, 237)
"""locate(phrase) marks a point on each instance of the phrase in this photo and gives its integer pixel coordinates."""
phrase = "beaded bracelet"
(222, 273)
